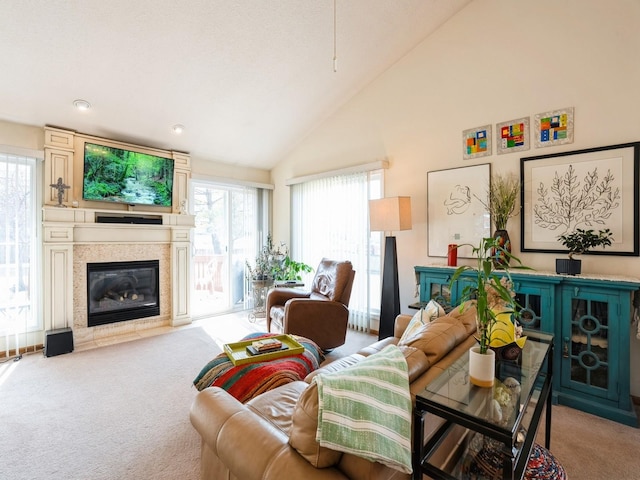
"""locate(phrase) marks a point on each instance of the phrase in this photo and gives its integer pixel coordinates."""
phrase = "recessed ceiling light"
(178, 129)
(82, 105)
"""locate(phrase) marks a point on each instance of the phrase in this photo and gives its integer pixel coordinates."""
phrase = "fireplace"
(119, 291)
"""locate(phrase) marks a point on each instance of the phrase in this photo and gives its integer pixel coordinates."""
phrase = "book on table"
(239, 352)
(266, 345)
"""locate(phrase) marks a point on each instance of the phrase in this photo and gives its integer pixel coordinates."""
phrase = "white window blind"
(19, 252)
(329, 218)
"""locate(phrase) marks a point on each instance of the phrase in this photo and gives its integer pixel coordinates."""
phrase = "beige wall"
(22, 136)
(204, 168)
(497, 60)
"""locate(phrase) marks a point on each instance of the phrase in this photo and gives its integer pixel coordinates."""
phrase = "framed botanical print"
(592, 189)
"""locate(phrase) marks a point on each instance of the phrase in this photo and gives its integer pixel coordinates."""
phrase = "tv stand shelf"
(77, 217)
(130, 219)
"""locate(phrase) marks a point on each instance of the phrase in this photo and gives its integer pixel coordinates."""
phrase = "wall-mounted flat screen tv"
(123, 176)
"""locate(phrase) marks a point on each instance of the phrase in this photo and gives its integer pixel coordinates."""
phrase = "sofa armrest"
(323, 321)
(280, 296)
(246, 444)
(400, 325)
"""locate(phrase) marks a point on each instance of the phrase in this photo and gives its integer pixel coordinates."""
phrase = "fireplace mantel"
(79, 232)
(67, 232)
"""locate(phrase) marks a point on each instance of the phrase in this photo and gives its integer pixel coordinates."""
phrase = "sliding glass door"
(226, 221)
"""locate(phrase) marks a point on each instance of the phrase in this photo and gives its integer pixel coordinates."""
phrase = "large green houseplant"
(269, 261)
(273, 263)
(292, 271)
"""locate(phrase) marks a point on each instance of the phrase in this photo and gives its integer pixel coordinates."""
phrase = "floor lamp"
(389, 215)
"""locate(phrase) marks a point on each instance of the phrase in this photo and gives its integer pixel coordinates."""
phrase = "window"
(330, 218)
(227, 222)
(19, 252)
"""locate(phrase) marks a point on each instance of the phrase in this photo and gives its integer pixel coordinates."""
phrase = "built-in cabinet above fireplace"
(77, 234)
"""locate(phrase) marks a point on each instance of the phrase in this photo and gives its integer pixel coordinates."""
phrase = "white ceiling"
(247, 78)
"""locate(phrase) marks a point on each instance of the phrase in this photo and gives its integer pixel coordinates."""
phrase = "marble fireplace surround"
(73, 238)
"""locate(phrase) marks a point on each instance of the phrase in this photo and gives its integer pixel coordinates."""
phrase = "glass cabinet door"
(536, 303)
(441, 293)
(529, 316)
(585, 344)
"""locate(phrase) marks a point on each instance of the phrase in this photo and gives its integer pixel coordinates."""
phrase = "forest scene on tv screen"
(116, 175)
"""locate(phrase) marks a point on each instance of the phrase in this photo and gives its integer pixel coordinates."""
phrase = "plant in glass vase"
(491, 294)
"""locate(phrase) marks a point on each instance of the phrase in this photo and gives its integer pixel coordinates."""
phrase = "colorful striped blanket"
(365, 409)
(244, 382)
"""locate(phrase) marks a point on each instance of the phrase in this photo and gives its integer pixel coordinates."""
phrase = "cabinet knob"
(565, 347)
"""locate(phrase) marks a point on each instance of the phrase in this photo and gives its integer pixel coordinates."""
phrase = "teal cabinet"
(589, 318)
(594, 350)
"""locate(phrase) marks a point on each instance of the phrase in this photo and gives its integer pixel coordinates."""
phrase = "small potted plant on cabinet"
(577, 242)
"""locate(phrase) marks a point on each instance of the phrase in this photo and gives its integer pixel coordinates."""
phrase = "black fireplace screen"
(118, 291)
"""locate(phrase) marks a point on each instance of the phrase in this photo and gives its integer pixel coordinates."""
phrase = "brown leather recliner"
(322, 314)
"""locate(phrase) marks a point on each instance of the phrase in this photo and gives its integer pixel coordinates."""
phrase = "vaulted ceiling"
(248, 79)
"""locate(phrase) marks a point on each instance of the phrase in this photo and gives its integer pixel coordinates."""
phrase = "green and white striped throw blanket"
(365, 409)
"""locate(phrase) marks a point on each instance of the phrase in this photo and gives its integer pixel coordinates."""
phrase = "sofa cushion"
(439, 337)
(277, 316)
(423, 316)
(466, 315)
(417, 361)
(303, 431)
(338, 364)
(276, 406)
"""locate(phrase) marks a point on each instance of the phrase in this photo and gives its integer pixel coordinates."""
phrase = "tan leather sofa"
(321, 314)
(273, 435)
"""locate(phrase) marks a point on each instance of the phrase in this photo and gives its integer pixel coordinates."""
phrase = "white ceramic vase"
(482, 367)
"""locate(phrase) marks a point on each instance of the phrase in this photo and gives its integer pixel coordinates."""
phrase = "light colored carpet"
(117, 412)
(122, 412)
(593, 448)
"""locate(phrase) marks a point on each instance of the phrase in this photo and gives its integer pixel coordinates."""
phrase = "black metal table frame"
(514, 466)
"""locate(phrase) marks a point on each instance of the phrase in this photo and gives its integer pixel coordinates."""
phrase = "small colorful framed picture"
(513, 136)
(554, 128)
(476, 142)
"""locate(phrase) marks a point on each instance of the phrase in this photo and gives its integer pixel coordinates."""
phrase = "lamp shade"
(390, 214)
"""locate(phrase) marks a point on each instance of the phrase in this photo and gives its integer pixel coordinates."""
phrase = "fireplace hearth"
(120, 291)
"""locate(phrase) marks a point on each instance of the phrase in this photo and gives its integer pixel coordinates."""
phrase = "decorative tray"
(238, 354)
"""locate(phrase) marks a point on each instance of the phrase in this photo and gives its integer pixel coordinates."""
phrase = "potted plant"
(272, 264)
(269, 262)
(291, 271)
(501, 203)
(577, 242)
(492, 295)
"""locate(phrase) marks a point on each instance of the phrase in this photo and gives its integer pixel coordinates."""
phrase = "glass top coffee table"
(475, 432)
